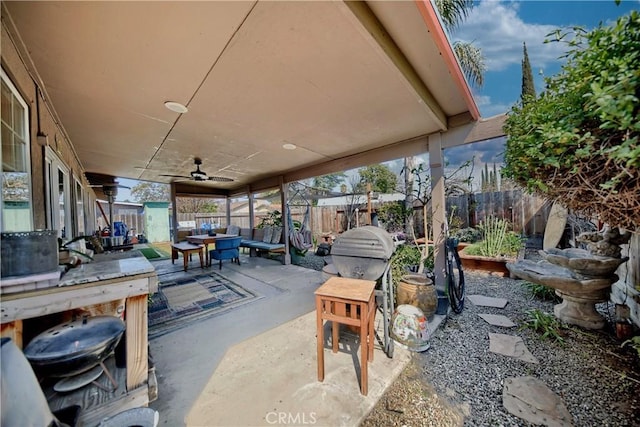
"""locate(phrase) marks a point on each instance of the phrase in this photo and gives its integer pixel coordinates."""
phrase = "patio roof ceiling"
(336, 79)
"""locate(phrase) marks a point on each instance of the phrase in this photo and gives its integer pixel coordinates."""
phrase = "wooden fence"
(527, 214)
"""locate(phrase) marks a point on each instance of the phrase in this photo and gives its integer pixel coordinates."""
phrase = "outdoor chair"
(227, 248)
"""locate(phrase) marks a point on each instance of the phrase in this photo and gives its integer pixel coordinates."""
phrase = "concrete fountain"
(581, 277)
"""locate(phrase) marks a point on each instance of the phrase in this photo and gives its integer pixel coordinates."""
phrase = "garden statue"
(582, 278)
(605, 243)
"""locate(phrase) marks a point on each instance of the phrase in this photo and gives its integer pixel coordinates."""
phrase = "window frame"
(4, 77)
(53, 167)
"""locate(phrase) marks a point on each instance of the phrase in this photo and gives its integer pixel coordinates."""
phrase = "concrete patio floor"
(255, 364)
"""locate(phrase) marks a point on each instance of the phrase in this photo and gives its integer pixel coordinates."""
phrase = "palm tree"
(453, 13)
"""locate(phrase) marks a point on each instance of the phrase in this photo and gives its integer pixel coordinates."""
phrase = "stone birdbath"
(581, 277)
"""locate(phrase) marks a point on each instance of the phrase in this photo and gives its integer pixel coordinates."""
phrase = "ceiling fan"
(198, 175)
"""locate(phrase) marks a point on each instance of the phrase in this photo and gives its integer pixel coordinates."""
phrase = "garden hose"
(455, 290)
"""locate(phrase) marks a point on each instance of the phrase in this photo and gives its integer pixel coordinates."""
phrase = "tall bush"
(578, 142)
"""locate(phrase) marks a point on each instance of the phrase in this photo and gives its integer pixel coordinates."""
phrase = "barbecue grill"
(365, 253)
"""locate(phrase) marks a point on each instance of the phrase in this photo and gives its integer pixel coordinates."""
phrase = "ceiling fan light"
(176, 107)
(199, 176)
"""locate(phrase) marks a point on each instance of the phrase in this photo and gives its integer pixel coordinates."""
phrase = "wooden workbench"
(92, 285)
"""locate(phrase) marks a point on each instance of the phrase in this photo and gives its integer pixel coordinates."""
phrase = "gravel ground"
(457, 381)
(312, 261)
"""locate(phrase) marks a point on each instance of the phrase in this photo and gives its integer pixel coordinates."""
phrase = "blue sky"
(499, 28)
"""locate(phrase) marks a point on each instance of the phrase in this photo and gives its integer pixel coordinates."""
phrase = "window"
(79, 208)
(16, 173)
(59, 216)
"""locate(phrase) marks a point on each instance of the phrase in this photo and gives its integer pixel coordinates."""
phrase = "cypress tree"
(528, 89)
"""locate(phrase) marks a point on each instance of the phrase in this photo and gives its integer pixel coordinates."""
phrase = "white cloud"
(498, 30)
(489, 108)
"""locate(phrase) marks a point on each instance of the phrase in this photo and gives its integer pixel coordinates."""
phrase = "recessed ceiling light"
(176, 106)
(289, 146)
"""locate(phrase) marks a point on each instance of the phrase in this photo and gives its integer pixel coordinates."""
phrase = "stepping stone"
(481, 300)
(497, 320)
(512, 346)
(530, 399)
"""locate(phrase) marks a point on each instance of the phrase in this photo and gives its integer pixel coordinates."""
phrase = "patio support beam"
(284, 192)
(174, 211)
(438, 208)
(398, 150)
(383, 39)
(251, 210)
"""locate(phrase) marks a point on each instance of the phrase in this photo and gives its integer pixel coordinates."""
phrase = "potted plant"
(412, 286)
(497, 246)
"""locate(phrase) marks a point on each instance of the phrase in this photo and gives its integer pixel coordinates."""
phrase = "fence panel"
(527, 213)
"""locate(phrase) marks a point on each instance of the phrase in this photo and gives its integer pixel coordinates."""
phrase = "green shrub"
(469, 235)
(579, 141)
(542, 292)
(544, 323)
(496, 239)
(403, 257)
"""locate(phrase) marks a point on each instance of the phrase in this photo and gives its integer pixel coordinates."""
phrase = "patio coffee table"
(186, 249)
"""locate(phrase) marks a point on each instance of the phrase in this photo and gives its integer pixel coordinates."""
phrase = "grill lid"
(362, 253)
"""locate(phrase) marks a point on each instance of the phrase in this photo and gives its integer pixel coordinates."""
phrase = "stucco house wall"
(44, 130)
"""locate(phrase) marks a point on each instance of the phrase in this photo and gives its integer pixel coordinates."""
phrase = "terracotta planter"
(494, 265)
(461, 246)
(419, 291)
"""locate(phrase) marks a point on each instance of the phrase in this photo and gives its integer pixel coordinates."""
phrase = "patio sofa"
(266, 239)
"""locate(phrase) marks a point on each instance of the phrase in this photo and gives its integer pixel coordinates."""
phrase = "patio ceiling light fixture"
(176, 107)
(289, 146)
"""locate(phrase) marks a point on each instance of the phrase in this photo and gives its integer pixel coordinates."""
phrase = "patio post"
(438, 208)
(174, 212)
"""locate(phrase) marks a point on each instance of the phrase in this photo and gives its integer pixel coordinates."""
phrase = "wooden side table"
(350, 302)
(186, 249)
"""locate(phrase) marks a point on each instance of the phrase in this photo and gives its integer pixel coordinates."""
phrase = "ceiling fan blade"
(219, 179)
(175, 176)
(109, 185)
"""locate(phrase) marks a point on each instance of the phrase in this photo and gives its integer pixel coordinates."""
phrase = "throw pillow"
(277, 234)
(268, 233)
(233, 230)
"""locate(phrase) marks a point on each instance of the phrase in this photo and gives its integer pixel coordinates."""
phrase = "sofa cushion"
(258, 234)
(246, 233)
(266, 246)
(268, 232)
(233, 230)
(277, 234)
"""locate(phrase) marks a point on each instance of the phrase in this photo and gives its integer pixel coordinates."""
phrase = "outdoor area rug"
(182, 299)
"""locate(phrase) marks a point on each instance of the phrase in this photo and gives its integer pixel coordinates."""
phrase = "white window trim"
(54, 164)
(27, 137)
(79, 207)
